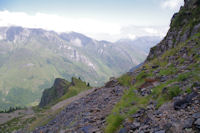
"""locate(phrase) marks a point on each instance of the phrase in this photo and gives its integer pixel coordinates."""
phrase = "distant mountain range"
(141, 43)
(30, 60)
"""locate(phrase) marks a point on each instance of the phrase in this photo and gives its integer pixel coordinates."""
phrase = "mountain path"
(70, 100)
(85, 113)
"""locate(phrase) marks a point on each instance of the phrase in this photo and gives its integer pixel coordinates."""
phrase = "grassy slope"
(115, 119)
(182, 22)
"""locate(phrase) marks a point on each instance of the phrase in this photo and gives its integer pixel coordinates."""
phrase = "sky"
(109, 20)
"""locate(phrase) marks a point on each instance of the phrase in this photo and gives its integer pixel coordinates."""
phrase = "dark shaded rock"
(123, 130)
(188, 123)
(135, 126)
(182, 103)
(136, 115)
(161, 131)
(196, 86)
(86, 129)
(164, 90)
(167, 126)
(163, 79)
(133, 103)
(196, 29)
(156, 66)
(196, 115)
(197, 123)
(157, 112)
(139, 113)
(191, 96)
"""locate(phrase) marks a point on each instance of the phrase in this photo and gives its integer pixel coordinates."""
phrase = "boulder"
(197, 123)
(182, 103)
(135, 126)
(188, 123)
(196, 115)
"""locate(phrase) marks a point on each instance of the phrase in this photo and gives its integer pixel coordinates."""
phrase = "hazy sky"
(100, 19)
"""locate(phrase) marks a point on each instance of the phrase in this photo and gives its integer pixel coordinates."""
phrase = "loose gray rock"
(188, 123)
(161, 131)
(196, 115)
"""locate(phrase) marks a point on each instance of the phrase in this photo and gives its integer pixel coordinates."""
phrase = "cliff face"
(59, 88)
(63, 89)
(183, 25)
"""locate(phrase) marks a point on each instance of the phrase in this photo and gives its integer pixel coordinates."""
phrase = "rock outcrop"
(59, 88)
(183, 25)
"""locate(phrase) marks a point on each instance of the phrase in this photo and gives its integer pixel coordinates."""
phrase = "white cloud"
(172, 4)
(145, 30)
(132, 32)
(57, 23)
(100, 30)
(131, 36)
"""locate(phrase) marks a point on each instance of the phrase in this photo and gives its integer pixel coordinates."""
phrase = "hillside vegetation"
(169, 76)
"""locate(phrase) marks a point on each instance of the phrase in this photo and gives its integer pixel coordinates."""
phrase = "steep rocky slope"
(163, 95)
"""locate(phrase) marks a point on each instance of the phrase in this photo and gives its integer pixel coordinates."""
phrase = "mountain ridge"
(30, 60)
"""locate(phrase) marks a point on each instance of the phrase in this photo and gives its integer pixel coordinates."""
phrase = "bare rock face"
(183, 25)
(59, 88)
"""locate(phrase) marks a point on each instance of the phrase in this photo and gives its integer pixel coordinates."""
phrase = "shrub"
(183, 77)
(142, 75)
(174, 91)
(125, 80)
(114, 121)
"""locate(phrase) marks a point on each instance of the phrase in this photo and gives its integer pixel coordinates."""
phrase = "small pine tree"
(88, 84)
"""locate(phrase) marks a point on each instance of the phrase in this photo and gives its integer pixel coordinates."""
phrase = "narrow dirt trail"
(85, 113)
(70, 100)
